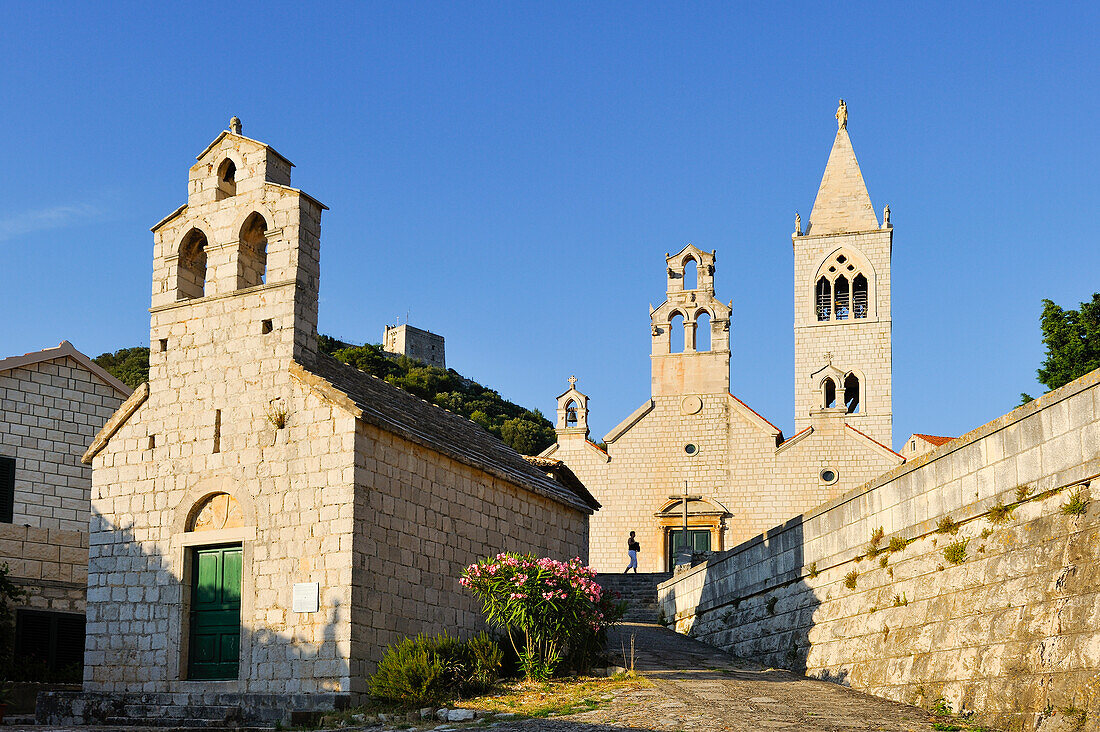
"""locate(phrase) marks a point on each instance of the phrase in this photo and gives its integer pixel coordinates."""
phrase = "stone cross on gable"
(572, 382)
(828, 356)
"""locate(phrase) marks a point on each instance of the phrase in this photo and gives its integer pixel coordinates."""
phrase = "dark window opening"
(191, 274)
(266, 327)
(252, 257)
(163, 345)
(841, 307)
(851, 393)
(859, 296)
(7, 489)
(152, 441)
(829, 389)
(49, 646)
(824, 299)
(227, 179)
(217, 430)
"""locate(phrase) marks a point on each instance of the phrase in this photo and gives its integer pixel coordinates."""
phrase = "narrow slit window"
(217, 430)
(828, 389)
(265, 327)
(163, 345)
(851, 393)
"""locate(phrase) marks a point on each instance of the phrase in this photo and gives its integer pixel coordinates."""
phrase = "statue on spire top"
(842, 116)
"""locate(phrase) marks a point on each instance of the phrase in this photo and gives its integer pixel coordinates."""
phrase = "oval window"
(691, 448)
(828, 475)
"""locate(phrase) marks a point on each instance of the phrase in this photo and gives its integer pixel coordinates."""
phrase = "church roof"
(560, 472)
(65, 349)
(933, 439)
(842, 202)
(395, 410)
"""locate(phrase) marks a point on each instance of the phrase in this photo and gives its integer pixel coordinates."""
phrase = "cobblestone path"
(698, 687)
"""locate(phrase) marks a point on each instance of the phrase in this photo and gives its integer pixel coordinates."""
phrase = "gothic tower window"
(227, 179)
(851, 393)
(252, 257)
(691, 274)
(702, 331)
(191, 273)
(676, 333)
(828, 393)
(842, 290)
(824, 299)
(841, 307)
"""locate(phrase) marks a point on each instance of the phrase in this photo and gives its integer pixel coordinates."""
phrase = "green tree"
(1072, 340)
(9, 593)
(128, 365)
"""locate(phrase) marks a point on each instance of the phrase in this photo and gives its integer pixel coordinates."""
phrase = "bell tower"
(236, 268)
(691, 329)
(842, 326)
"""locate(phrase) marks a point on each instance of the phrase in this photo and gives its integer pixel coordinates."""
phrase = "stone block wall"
(421, 518)
(49, 413)
(997, 614)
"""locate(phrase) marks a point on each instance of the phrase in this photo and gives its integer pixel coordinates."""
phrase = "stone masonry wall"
(421, 518)
(49, 413)
(997, 615)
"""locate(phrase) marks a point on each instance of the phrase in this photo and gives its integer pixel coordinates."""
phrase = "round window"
(828, 475)
(691, 448)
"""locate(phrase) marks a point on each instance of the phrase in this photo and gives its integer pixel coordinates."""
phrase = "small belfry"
(690, 330)
(842, 329)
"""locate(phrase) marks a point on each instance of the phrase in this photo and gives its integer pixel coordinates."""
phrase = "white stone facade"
(52, 402)
(692, 435)
(336, 478)
(405, 340)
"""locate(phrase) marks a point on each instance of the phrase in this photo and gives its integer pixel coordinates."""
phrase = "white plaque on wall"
(307, 597)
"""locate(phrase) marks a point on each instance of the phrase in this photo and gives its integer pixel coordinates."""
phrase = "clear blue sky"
(511, 174)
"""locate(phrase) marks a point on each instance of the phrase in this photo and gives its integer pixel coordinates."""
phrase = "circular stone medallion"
(691, 405)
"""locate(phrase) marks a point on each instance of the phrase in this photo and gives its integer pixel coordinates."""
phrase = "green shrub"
(956, 552)
(410, 673)
(425, 670)
(999, 513)
(1076, 505)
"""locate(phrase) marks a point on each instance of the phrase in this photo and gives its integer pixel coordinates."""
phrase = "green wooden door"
(215, 613)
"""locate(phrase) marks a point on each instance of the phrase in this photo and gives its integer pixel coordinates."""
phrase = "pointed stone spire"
(842, 203)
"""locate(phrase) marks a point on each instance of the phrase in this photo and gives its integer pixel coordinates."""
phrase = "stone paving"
(696, 687)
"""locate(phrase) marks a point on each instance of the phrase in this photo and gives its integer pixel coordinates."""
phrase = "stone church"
(266, 519)
(693, 442)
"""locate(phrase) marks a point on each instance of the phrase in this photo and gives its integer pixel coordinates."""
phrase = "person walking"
(632, 549)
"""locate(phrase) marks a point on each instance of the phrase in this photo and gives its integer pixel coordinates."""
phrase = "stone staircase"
(639, 591)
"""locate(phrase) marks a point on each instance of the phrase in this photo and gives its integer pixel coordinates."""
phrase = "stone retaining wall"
(1009, 631)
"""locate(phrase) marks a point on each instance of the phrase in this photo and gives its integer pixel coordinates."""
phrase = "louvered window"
(7, 489)
(859, 296)
(50, 646)
(824, 299)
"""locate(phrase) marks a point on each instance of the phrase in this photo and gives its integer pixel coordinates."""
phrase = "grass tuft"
(1076, 505)
(850, 579)
(999, 513)
(1022, 492)
(876, 536)
(898, 544)
(947, 525)
(811, 571)
(956, 552)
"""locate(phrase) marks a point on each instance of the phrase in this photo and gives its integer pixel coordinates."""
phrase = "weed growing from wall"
(956, 552)
(999, 513)
(876, 536)
(1022, 492)
(850, 579)
(811, 571)
(898, 544)
(1076, 505)
(770, 605)
(947, 525)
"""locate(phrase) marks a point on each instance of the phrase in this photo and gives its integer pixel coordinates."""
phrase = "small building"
(405, 340)
(53, 402)
(919, 444)
(267, 520)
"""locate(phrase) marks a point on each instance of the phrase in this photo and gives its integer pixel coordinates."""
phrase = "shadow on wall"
(153, 633)
(768, 618)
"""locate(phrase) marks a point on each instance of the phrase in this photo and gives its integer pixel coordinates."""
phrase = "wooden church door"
(215, 613)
